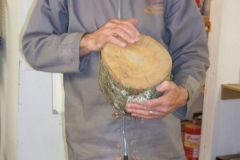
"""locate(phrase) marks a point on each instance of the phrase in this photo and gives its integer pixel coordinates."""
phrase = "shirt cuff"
(180, 112)
(83, 63)
(194, 89)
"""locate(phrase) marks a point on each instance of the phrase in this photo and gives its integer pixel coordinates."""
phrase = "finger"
(165, 86)
(124, 34)
(130, 27)
(152, 104)
(117, 33)
(144, 111)
(126, 29)
(116, 41)
(147, 117)
(161, 105)
(150, 115)
(131, 23)
(136, 105)
(138, 111)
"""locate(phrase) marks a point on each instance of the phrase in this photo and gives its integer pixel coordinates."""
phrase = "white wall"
(229, 66)
(221, 129)
(40, 132)
(29, 129)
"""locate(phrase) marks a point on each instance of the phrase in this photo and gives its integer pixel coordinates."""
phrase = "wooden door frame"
(209, 123)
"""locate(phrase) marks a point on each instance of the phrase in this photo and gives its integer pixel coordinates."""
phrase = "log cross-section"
(133, 72)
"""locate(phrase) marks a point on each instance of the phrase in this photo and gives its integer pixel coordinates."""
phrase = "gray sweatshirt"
(51, 44)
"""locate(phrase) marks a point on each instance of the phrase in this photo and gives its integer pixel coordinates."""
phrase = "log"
(133, 72)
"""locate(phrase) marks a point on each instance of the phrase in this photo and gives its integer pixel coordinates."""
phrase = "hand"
(173, 97)
(108, 33)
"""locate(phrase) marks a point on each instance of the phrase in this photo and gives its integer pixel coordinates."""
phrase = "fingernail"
(123, 45)
(159, 87)
(136, 39)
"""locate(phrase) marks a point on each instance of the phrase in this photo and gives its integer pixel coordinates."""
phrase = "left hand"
(173, 97)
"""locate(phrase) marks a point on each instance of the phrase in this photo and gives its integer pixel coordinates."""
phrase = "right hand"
(108, 33)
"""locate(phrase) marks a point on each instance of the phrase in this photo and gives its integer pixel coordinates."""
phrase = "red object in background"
(192, 136)
(198, 1)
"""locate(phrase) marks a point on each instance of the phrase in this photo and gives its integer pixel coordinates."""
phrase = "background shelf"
(230, 91)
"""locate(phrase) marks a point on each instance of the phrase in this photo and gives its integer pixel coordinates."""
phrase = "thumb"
(164, 86)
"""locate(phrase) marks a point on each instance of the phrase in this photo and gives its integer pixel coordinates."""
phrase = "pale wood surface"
(138, 66)
(230, 91)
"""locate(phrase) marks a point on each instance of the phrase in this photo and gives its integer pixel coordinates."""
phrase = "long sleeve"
(46, 44)
(187, 41)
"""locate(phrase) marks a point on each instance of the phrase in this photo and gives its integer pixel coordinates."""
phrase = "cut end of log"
(140, 65)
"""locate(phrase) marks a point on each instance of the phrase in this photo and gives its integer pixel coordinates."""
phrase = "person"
(66, 36)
